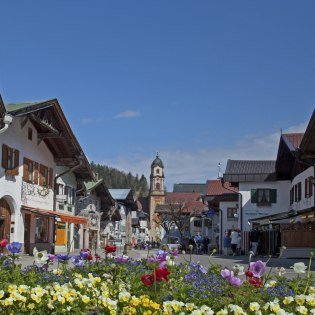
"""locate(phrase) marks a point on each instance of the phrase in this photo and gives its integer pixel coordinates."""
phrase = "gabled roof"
(308, 141)
(215, 188)
(249, 171)
(190, 188)
(2, 109)
(121, 194)
(181, 197)
(286, 158)
(293, 140)
(53, 128)
(101, 190)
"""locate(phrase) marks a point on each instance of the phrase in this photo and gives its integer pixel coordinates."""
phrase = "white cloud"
(184, 166)
(128, 114)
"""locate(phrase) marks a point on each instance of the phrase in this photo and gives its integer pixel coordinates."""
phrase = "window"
(45, 176)
(197, 223)
(157, 171)
(231, 212)
(158, 186)
(291, 195)
(309, 187)
(30, 171)
(30, 134)
(263, 197)
(10, 160)
(41, 230)
(69, 192)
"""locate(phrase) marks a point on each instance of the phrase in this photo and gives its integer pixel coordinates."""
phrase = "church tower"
(156, 193)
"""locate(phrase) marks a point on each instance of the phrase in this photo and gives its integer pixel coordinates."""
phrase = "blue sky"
(198, 81)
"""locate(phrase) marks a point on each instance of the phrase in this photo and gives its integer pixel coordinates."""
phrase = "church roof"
(157, 162)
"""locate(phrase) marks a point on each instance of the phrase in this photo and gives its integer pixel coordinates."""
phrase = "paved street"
(227, 262)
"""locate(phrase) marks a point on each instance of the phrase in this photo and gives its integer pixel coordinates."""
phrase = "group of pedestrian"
(200, 245)
(232, 242)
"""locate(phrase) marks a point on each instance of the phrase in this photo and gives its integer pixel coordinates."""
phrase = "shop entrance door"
(5, 220)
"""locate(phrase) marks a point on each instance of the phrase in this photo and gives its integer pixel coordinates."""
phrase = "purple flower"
(14, 247)
(51, 257)
(77, 261)
(257, 268)
(63, 257)
(226, 273)
(122, 259)
(237, 282)
(161, 255)
(84, 255)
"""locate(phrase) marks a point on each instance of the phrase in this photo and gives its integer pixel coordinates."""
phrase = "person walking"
(239, 243)
(226, 243)
(198, 241)
(205, 244)
(234, 237)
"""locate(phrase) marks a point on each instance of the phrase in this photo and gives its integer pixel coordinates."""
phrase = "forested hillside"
(115, 178)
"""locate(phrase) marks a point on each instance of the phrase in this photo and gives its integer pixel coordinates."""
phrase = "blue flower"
(14, 247)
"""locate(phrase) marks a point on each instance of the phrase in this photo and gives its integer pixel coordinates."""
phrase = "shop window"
(10, 160)
(197, 223)
(231, 212)
(263, 197)
(41, 229)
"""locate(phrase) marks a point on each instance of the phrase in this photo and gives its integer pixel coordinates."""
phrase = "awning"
(51, 213)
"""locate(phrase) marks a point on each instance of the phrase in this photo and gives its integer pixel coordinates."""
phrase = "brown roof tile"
(215, 188)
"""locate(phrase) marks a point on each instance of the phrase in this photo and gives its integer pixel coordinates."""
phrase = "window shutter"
(41, 174)
(25, 170)
(310, 187)
(4, 156)
(50, 180)
(16, 162)
(273, 195)
(36, 171)
(254, 195)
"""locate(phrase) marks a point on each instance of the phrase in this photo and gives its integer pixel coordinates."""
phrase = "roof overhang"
(64, 217)
(54, 130)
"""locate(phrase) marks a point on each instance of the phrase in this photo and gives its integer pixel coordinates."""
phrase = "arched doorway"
(5, 219)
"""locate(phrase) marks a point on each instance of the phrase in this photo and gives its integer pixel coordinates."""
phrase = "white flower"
(281, 271)
(40, 257)
(239, 269)
(299, 267)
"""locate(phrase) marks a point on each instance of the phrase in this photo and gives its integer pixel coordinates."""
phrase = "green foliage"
(117, 179)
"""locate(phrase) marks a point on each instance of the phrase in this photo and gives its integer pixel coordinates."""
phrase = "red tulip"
(161, 274)
(4, 242)
(147, 279)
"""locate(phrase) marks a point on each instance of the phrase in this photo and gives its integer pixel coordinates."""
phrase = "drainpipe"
(7, 120)
(54, 198)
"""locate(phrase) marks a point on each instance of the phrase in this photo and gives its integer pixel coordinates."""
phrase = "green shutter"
(254, 195)
(273, 195)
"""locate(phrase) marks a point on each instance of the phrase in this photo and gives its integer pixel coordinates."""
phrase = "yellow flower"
(31, 306)
(302, 309)
(287, 300)
(11, 288)
(300, 299)
(8, 301)
(134, 301)
(154, 305)
(85, 299)
(254, 306)
(147, 312)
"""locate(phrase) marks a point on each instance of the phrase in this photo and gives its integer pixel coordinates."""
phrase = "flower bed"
(156, 285)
